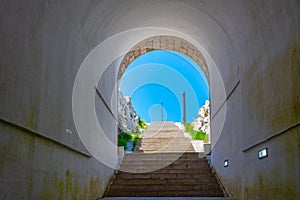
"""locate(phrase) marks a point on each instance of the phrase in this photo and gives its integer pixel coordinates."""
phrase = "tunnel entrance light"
(263, 153)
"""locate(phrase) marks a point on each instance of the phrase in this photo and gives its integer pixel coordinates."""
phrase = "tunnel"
(61, 63)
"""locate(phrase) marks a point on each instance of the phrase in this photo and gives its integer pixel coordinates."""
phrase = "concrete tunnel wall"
(253, 44)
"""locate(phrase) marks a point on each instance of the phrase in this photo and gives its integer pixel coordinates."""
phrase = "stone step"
(164, 170)
(157, 186)
(165, 122)
(164, 136)
(162, 124)
(161, 145)
(209, 182)
(131, 168)
(167, 148)
(161, 129)
(169, 166)
(171, 142)
(162, 162)
(164, 193)
(150, 162)
(166, 151)
(179, 148)
(162, 166)
(170, 150)
(170, 156)
(158, 143)
(164, 139)
(158, 128)
(163, 175)
(170, 134)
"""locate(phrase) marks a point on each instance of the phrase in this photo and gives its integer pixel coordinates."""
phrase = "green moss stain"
(254, 94)
(282, 74)
(262, 190)
(61, 186)
(32, 120)
(85, 193)
(3, 154)
(278, 82)
(295, 72)
(233, 187)
(272, 188)
(65, 187)
(46, 193)
(290, 147)
(75, 191)
(68, 179)
(3, 84)
(94, 187)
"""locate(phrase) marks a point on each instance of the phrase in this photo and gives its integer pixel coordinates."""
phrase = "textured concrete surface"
(254, 45)
(166, 198)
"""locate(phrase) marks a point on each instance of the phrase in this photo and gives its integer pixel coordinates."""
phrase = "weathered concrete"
(33, 167)
(166, 198)
(254, 45)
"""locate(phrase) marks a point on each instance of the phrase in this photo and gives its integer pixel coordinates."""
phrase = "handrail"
(105, 104)
(271, 137)
(227, 97)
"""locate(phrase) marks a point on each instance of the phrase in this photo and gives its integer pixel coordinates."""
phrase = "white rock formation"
(127, 117)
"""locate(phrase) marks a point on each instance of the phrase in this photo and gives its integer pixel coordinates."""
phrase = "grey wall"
(43, 44)
(254, 44)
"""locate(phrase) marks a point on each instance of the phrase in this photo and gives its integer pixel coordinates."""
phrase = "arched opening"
(163, 42)
(101, 141)
(163, 74)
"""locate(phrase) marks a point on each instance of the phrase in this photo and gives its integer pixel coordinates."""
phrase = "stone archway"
(163, 42)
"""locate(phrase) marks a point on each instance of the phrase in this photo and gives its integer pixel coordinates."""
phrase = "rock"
(127, 117)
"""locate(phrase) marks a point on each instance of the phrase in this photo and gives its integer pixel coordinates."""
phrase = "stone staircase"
(164, 165)
(164, 137)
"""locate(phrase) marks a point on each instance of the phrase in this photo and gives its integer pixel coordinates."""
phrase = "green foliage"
(196, 135)
(137, 134)
(199, 135)
(143, 124)
(123, 138)
(187, 127)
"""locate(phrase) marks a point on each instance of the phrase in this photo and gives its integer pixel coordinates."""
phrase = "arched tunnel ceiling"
(253, 45)
(184, 17)
(60, 34)
(223, 30)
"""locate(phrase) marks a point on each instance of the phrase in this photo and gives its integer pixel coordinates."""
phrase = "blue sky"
(161, 76)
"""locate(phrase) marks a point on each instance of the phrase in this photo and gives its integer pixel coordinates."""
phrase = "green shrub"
(122, 141)
(123, 138)
(187, 127)
(198, 135)
(126, 136)
(195, 135)
(143, 124)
